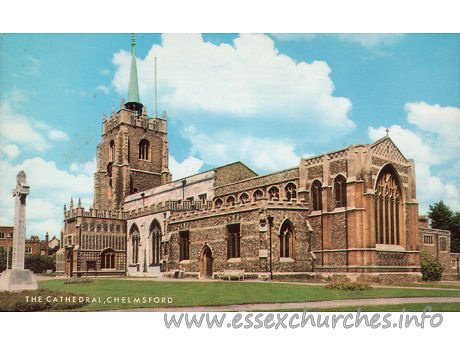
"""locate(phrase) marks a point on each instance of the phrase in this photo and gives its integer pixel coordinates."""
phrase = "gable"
(386, 148)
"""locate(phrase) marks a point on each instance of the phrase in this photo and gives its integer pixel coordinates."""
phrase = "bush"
(39, 263)
(17, 301)
(431, 267)
(77, 281)
(348, 286)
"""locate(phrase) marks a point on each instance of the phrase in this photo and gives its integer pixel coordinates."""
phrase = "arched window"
(111, 151)
(244, 198)
(340, 191)
(231, 201)
(291, 191)
(388, 207)
(144, 149)
(316, 195)
(218, 203)
(109, 173)
(108, 259)
(286, 240)
(258, 194)
(155, 237)
(135, 239)
(274, 193)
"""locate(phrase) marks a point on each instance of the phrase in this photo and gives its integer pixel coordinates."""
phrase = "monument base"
(17, 280)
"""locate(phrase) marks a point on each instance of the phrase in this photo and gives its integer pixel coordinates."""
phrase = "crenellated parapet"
(92, 213)
(130, 117)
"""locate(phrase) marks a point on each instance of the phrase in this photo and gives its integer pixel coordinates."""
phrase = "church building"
(353, 210)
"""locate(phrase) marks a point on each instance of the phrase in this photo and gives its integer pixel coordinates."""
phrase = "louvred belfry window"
(388, 207)
(144, 149)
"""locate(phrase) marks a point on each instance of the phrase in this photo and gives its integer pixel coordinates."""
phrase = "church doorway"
(206, 269)
(69, 262)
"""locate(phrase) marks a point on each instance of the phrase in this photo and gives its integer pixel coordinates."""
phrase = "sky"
(266, 100)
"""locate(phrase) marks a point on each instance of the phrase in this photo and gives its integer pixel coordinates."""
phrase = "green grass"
(410, 308)
(189, 293)
(432, 285)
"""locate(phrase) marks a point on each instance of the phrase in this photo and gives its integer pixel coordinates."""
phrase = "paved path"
(300, 305)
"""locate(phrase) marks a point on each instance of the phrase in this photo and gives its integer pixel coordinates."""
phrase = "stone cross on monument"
(17, 278)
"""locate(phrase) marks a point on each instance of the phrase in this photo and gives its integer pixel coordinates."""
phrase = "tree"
(441, 215)
(39, 263)
(444, 218)
(2, 259)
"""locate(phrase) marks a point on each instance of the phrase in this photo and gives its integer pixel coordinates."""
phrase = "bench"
(233, 274)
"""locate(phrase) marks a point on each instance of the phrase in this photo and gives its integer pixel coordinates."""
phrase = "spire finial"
(388, 132)
(134, 102)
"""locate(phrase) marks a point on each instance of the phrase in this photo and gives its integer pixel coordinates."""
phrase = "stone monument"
(17, 278)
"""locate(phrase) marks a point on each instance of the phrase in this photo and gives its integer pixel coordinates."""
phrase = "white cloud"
(366, 40)
(87, 168)
(443, 122)
(103, 88)
(50, 186)
(293, 37)
(264, 154)
(187, 167)
(430, 187)
(249, 79)
(33, 67)
(57, 135)
(18, 129)
(370, 40)
(11, 151)
(106, 72)
(23, 132)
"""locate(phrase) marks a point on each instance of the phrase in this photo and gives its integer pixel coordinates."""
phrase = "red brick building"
(6, 241)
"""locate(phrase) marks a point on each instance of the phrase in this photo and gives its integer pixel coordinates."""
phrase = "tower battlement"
(130, 117)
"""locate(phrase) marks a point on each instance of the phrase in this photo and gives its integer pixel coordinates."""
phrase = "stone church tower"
(133, 154)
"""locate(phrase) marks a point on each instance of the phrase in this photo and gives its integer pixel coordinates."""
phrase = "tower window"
(316, 197)
(340, 190)
(144, 149)
(112, 151)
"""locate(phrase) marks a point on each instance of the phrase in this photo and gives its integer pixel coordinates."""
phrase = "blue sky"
(266, 100)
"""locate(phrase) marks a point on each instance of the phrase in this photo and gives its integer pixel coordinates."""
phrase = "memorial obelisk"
(17, 278)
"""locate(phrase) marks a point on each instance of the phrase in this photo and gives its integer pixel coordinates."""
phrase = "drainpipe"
(270, 222)
(346, 235)
(437, 245)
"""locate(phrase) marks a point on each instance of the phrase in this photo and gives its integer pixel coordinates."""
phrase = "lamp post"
(270, 221)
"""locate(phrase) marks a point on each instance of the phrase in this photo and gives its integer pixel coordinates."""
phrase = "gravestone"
(17, 278)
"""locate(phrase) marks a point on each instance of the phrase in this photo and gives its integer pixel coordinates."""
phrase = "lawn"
(410, 308)
(190, 293)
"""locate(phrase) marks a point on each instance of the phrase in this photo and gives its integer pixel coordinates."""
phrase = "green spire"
(133, 95)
